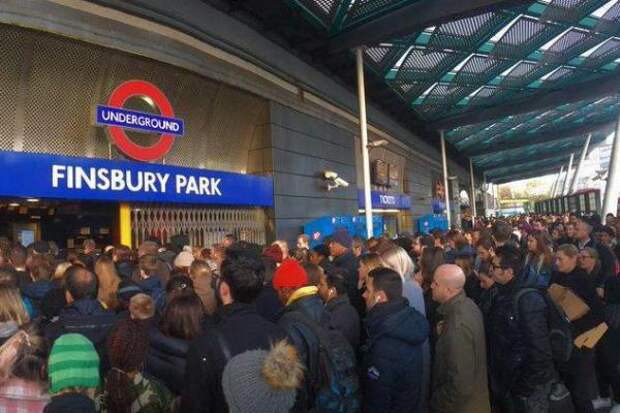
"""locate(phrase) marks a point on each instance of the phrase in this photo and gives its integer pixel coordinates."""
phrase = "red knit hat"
(290, 274)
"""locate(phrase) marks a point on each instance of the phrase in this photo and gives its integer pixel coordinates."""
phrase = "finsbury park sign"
(56, 176)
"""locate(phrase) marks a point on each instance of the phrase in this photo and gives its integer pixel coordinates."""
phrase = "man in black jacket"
(392, 369)
(83, 314)
(340, 249)
(519, 348)
(343, 316)
(240, 329)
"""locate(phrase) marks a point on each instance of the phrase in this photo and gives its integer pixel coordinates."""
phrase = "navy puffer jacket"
(392, 366)
(166, 359)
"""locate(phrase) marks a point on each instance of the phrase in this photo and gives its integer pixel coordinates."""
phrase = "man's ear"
(381, 297)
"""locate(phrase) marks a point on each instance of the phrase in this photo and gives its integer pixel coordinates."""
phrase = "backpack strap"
(304, 324)
(316, 328)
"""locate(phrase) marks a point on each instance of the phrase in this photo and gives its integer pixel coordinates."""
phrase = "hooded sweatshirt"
(392, 367)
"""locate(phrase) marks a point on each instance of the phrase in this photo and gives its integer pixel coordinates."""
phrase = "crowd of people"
(514, 315)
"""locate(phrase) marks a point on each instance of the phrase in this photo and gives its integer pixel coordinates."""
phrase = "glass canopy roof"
(490, 59)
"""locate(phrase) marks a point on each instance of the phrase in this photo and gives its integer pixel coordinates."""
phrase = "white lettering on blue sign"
(141, 121)
(112, 179)
(387, 199)
(64, 177)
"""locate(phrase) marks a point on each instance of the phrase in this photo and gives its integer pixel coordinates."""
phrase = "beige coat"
(460, 371)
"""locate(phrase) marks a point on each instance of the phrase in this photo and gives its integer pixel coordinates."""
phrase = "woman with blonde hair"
(398, 260)
(368, 262)
(107, 281)
(23, 380)
(13, 314)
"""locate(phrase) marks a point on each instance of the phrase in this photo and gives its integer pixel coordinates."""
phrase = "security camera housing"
(330, 175)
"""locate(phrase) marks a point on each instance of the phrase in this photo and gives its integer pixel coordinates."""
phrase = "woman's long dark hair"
(127, 347)
(183, 316)
(431, 258)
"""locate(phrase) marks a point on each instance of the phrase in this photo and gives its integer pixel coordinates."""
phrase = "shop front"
(96, 143)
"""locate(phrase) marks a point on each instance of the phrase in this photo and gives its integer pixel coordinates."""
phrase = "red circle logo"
(118, 98)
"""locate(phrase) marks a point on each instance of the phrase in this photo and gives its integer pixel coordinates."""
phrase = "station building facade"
(259, 128)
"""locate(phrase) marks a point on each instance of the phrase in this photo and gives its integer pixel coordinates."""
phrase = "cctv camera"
(330, 175)
(341, 182)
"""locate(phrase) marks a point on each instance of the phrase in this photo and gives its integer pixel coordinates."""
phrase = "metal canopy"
(508, 81)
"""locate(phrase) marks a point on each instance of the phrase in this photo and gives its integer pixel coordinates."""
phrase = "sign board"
(117, 119)
(385, 200)
(55, 176)
(394, 177)
(380, 172)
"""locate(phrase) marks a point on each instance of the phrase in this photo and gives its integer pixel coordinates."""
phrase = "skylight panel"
(400, 61)
(548, 75)
(588, 52)
(497, 36)
(600, 12)
(458, 67)
(429, 90)
(475, 92)
(551, 42)
(507, 71)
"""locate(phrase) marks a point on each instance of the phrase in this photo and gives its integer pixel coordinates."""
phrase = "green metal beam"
(411, 18)
(591, 89)
(524, 140)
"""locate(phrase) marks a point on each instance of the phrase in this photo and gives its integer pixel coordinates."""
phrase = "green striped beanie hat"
(73, 362)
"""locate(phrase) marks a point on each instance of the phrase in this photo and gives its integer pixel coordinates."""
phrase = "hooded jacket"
(392, 366)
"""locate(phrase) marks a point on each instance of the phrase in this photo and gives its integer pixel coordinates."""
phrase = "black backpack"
(335, 386)
(560, 329)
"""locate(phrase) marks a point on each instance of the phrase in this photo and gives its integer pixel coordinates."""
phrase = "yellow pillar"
(124, 221)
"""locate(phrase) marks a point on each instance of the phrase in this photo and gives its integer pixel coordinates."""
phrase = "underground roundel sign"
(118, 120)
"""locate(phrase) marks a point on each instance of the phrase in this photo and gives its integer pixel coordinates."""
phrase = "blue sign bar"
(385, 200)
(55, 176)
(139, 121)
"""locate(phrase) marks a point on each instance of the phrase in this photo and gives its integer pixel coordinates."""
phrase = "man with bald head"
(460, 368)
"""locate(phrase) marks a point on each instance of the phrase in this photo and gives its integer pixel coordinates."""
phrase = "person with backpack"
(239, 329)
(331, 382)
(392, 367)
(520, 356)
